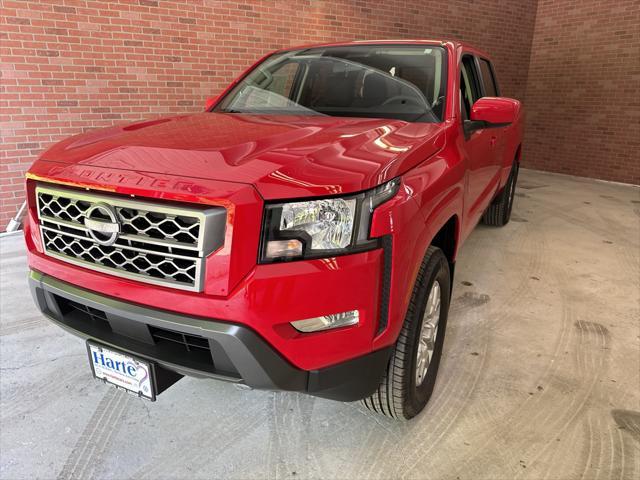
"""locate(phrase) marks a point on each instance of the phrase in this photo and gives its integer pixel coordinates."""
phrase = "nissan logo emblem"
(102, 223)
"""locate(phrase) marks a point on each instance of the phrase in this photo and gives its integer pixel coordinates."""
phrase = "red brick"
(582, 90)
(73, 66)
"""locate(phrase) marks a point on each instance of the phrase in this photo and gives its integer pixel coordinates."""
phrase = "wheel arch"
(509, 161)
(446, 239)
(518, 153)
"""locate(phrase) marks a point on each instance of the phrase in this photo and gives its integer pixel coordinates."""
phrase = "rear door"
(478, 146)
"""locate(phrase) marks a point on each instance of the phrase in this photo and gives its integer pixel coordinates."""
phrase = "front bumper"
(199, 347)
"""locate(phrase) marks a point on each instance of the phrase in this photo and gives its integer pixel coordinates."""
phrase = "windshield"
(398, 82)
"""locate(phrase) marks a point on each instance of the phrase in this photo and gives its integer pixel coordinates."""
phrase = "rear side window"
(488, 81)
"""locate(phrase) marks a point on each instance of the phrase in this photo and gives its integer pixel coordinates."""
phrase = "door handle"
(493, 141)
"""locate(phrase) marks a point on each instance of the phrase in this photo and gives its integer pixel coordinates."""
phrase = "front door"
(479, 148)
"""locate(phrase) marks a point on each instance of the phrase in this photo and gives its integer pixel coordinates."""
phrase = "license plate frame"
(120, 378)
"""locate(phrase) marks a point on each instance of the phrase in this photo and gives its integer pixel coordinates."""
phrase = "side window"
(489, 83)
(269, 89)
(469, 87)
(282, 80)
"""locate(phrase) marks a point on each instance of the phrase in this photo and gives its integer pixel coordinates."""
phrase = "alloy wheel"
(428, 333)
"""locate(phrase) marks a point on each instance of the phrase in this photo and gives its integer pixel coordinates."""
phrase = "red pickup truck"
(300, 234)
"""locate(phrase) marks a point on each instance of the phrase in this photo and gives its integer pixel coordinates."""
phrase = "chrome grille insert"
(158, 244)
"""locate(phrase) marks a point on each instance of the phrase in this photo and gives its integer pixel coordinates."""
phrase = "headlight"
(323, 227)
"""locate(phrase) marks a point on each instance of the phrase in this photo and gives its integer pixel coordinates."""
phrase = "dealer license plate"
(122, 370)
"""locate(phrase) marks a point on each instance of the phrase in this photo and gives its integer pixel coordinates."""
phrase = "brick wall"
(583, 91)
(69, 66)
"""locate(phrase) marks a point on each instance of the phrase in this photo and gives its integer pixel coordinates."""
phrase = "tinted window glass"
(283, 79)
(469, 88)
(488, 81)
(404, 82)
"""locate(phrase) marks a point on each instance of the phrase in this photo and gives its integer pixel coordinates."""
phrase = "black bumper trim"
(235, 347)
(385, 296)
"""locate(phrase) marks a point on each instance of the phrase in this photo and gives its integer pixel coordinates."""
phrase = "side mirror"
(210, 102)
(495, 111)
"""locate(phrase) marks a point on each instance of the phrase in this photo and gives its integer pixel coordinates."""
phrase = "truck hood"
(282, 156)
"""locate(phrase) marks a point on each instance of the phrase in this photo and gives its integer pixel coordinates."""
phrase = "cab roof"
(453, 44)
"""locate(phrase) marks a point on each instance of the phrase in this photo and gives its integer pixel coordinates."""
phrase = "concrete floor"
(540, 376)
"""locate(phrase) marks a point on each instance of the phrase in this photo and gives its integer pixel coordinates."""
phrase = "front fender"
(430, 194)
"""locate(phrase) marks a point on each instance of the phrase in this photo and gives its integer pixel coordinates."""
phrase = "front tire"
(411, 374)
(499, 212)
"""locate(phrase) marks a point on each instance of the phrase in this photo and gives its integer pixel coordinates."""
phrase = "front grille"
(182, 229)
(153, 244)
(178, 270)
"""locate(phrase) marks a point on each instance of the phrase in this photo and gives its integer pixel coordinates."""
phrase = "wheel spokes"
(428, 332)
